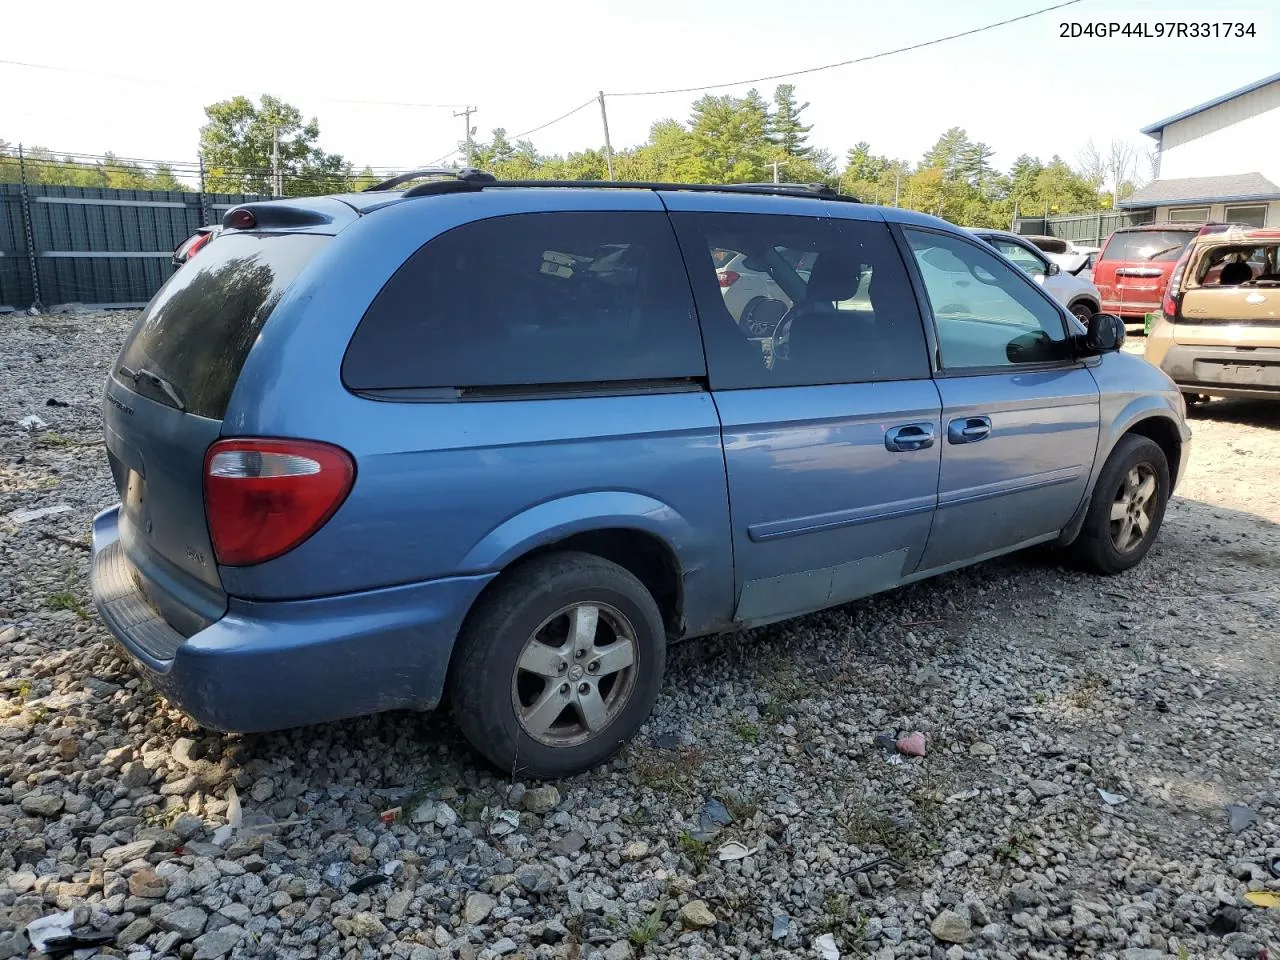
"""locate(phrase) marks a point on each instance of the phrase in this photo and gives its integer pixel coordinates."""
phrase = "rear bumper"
(274, 665)
(1129, 309)
(1224, 371)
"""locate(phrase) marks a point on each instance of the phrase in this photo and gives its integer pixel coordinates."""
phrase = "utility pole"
(470, 130)
(608, 147)
(775, 164)
(277, 181)
(897, 186)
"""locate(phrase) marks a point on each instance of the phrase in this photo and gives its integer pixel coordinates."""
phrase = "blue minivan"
(504, 442)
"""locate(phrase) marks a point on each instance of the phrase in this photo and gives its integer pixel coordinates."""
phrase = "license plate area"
(1246, 374)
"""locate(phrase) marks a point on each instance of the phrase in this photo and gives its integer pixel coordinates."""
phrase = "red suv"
(1134, 267)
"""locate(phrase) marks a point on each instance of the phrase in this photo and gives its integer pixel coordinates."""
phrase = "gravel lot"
(1034, 687)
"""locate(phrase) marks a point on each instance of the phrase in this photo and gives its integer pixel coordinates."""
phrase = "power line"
(563, 116)
(518, 136)
(846, 63)
(208, 86)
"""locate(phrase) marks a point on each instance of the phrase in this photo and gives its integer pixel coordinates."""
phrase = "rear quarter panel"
(451, 488)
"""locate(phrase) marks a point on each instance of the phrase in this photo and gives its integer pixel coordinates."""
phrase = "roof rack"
(466, 175)
(478, 180)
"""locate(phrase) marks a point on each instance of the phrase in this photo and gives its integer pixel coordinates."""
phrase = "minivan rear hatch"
(165, 402)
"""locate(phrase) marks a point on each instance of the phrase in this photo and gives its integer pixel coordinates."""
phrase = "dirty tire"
(1095, 550)
(490, 645)
(1083, 310)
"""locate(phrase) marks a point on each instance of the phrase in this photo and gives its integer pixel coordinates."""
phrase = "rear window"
(197, 331)
(539, 299)
(1154, 246)
(1049, 244)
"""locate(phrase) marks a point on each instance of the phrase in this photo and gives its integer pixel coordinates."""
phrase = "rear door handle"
(968, 429)
(909, 436)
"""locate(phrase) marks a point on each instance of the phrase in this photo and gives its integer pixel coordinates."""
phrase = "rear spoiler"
(323, 215)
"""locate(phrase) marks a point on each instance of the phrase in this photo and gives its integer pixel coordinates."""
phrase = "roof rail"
(485, 181)
(467, 175)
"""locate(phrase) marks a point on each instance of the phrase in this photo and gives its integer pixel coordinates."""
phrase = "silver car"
(1074, 292)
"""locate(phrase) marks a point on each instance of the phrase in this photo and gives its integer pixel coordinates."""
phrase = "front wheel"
(558, 666)
(1127, 508)
(1083, 311)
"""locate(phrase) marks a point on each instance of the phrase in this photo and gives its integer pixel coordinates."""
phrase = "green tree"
(785, 129)
(237, 144)
(45, 168)
(729, 142)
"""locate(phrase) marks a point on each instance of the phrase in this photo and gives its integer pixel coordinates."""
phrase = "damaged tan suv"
(1218, 330)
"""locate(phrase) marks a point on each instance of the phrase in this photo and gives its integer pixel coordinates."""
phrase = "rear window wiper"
(157, 381)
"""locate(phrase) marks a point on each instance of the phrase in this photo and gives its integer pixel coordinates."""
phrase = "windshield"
(1155, 246)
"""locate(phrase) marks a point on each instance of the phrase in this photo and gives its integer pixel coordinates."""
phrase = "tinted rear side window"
(198, 329)
(538, 299)
(1153, 246)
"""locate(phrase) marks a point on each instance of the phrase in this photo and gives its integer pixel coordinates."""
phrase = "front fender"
(1130, 391)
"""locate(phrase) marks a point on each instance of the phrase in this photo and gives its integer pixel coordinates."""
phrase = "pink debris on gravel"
(912, 745)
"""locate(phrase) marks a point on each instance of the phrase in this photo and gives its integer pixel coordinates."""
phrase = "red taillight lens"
(197, 244)
(1169, 303)
(264, 497)
(728, 278)
(241, 219)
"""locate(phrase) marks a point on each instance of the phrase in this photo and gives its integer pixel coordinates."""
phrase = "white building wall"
(1218, 211)
(1239, 136)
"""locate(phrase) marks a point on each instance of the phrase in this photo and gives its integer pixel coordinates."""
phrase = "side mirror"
(1105, 334)
(1053, 269)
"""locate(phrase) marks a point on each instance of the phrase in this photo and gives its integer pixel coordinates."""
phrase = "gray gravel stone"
(542, 800)
(187, 922)
(219, 943)
(535, 879)
(478, 908)
(950, 927)
(1034, 685)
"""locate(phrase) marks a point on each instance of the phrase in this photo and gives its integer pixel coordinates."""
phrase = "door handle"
(968, 429)
(909, 436)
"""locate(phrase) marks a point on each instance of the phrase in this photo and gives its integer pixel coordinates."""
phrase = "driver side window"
(802, 301)
(986, 314)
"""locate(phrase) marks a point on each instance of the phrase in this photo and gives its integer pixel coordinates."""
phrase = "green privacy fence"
(94, 245)
(1085, 229)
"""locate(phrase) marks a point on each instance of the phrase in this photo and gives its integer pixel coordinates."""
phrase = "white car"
(745, 286)
(754, 298)
(1071, 258)
(1075, 293)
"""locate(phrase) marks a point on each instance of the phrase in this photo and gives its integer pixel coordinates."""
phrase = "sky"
(137, 86)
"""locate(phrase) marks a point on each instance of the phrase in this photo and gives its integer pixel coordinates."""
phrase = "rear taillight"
(198, 243)
(1169, 303)
(264, 497)
(728, 278)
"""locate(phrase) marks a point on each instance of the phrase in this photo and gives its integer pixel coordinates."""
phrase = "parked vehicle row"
(506, 442)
